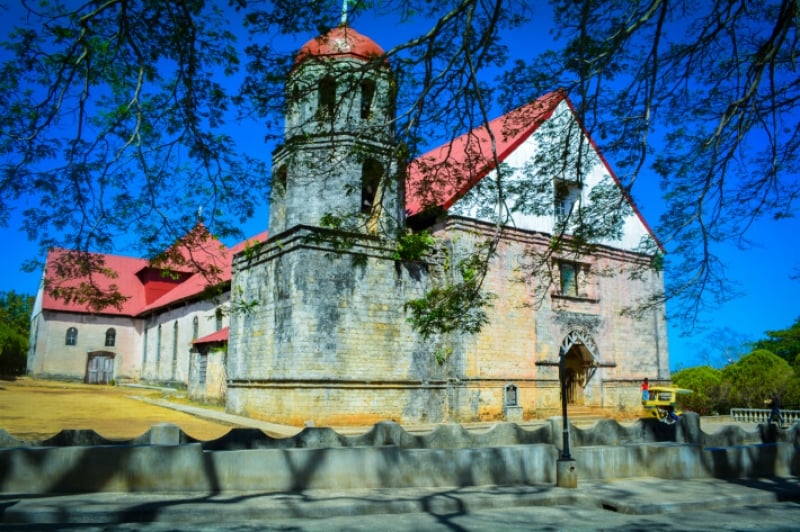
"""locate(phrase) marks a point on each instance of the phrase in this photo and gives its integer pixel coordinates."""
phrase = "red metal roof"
(214, 338)
(437, 179)
(200, 251)
(126, 282)
(341, 41)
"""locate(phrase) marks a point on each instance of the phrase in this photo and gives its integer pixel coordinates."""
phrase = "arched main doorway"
(581, 360)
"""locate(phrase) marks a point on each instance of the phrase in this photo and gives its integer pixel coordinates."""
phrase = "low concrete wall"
(188, 468)
(388, 457)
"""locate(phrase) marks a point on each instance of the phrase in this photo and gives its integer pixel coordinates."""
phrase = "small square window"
(570, 279)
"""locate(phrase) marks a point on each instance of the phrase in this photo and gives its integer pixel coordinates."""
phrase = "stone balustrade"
(761, 415)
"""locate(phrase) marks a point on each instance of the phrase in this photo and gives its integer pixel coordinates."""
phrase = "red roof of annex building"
(217, 337)
(341, 41)
(144, 286)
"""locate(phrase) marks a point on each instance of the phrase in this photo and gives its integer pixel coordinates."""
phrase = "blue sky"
(768, 297)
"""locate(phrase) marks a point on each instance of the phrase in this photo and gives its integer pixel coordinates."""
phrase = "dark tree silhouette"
(116, 114)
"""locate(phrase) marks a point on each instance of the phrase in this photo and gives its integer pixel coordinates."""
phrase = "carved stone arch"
(583, 338)
(581, 359)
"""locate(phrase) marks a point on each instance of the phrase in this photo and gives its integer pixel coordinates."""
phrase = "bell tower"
(338, 152)
(324, 322)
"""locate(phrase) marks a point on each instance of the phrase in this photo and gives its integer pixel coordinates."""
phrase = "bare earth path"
(33, 409)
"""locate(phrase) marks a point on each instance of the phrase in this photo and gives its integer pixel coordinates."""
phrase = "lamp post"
(566, 469)
(562, 379)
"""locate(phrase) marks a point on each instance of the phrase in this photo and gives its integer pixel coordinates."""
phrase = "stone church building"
(315, 318)
(329, 339)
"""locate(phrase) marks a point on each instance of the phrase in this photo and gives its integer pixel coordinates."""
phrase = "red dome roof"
(340, 41)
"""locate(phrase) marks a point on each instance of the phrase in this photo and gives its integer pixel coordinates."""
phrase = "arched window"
(218, 318)
(72, 336)
(367, 95)
(280, 179)
(295, 98)
(371, 172)
(158, 346)
(327, 96)
(111, 337)
(175, 338)
(567, 198)
(195, 328)
(174, 348)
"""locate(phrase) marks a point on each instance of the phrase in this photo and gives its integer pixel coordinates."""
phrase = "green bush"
(706, 385)
(791, 396)
(755, 377)
(13, 352)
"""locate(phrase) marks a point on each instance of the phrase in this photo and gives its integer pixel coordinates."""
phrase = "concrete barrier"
(187, 468)
(388, 457)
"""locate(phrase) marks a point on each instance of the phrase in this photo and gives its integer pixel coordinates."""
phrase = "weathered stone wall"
(52, 358)
(164, 356)
(214, 389)
(318, 176)
(530, 319)
(319, 166)
(328, 341)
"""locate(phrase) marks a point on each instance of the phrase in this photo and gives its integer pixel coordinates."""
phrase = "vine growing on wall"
(457, 306)
(241, 305)
(414, 246)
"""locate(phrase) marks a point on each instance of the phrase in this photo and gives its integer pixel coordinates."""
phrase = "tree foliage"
(15, 319)
(746, 383)
(706, 385)
(704, 94)
(785, 343)
(458, 305)
(755, 377)
(771, 366)
(114, 117)
(116, 114)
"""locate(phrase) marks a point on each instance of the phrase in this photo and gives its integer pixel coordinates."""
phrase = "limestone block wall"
(52, 358)
(213, 389)
(530, 319)
(328, 341)
(166, 344)
(317, 176)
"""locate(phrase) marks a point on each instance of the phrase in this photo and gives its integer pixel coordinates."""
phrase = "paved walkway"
(277, 430)
(709, 424)
(638, 496)
(272, 429)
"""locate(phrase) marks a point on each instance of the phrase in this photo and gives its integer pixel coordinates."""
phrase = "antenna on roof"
(344, 13)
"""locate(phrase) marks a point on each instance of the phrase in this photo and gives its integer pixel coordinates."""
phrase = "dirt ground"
(33, 409)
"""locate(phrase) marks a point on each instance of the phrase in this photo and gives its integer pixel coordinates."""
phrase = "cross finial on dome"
(344, 13)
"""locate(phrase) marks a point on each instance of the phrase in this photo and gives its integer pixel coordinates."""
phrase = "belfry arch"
(581, 360)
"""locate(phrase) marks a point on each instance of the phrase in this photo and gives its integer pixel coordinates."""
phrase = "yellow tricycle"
(662, 403)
